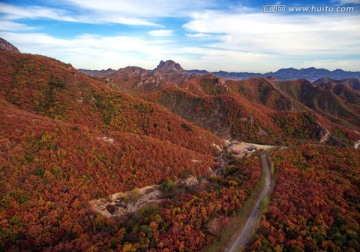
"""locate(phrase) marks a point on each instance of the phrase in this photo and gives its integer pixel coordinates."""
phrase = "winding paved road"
(252, 220)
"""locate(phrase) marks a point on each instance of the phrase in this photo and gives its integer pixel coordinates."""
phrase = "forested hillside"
(67, 139)
(315, 204)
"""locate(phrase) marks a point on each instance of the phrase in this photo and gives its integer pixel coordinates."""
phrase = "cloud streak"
(161, 33)
(13, 26)
(12, 12)
(145, 9)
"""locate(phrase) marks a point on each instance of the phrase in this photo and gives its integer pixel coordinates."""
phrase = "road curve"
(251, 222)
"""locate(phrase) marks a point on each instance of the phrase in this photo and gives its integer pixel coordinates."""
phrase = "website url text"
(323, 8)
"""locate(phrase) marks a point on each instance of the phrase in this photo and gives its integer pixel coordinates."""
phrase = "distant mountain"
(352, 83)
(170, 67)
(237, 75)
(312, 74)
(137, 80)
(286, 74)
(106, 72)
(337, 102)
(6, 46)
(196, 71)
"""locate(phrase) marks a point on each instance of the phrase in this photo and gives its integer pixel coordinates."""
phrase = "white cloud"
(161, 33)
(145, 8)
(12, 26)
(135, 12)
(32, 12)
(100, 17)
(197, 35)
(97, 52)
(279, 34)
(91, 51)
(96, 17)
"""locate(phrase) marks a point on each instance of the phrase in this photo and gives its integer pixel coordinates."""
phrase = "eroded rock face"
(6, 46)
(169, 66)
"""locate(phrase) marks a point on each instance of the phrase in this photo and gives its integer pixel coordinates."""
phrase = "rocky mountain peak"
(6, 46)
(169, 66)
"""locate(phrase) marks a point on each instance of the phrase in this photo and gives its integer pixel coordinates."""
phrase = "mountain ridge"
(310, 73)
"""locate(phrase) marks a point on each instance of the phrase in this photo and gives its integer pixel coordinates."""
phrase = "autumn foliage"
(181, 222)
(67, 139)
(53, 89)
(50, 170)
(315, 205)
(253, 110)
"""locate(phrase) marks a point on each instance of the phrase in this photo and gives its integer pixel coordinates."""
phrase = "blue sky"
(199, 34)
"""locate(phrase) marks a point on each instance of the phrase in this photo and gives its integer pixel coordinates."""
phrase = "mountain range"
(310, 73)
(68, 138)
(336, 100)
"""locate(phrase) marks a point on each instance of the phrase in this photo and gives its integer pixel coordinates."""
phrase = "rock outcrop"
(169, 66)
